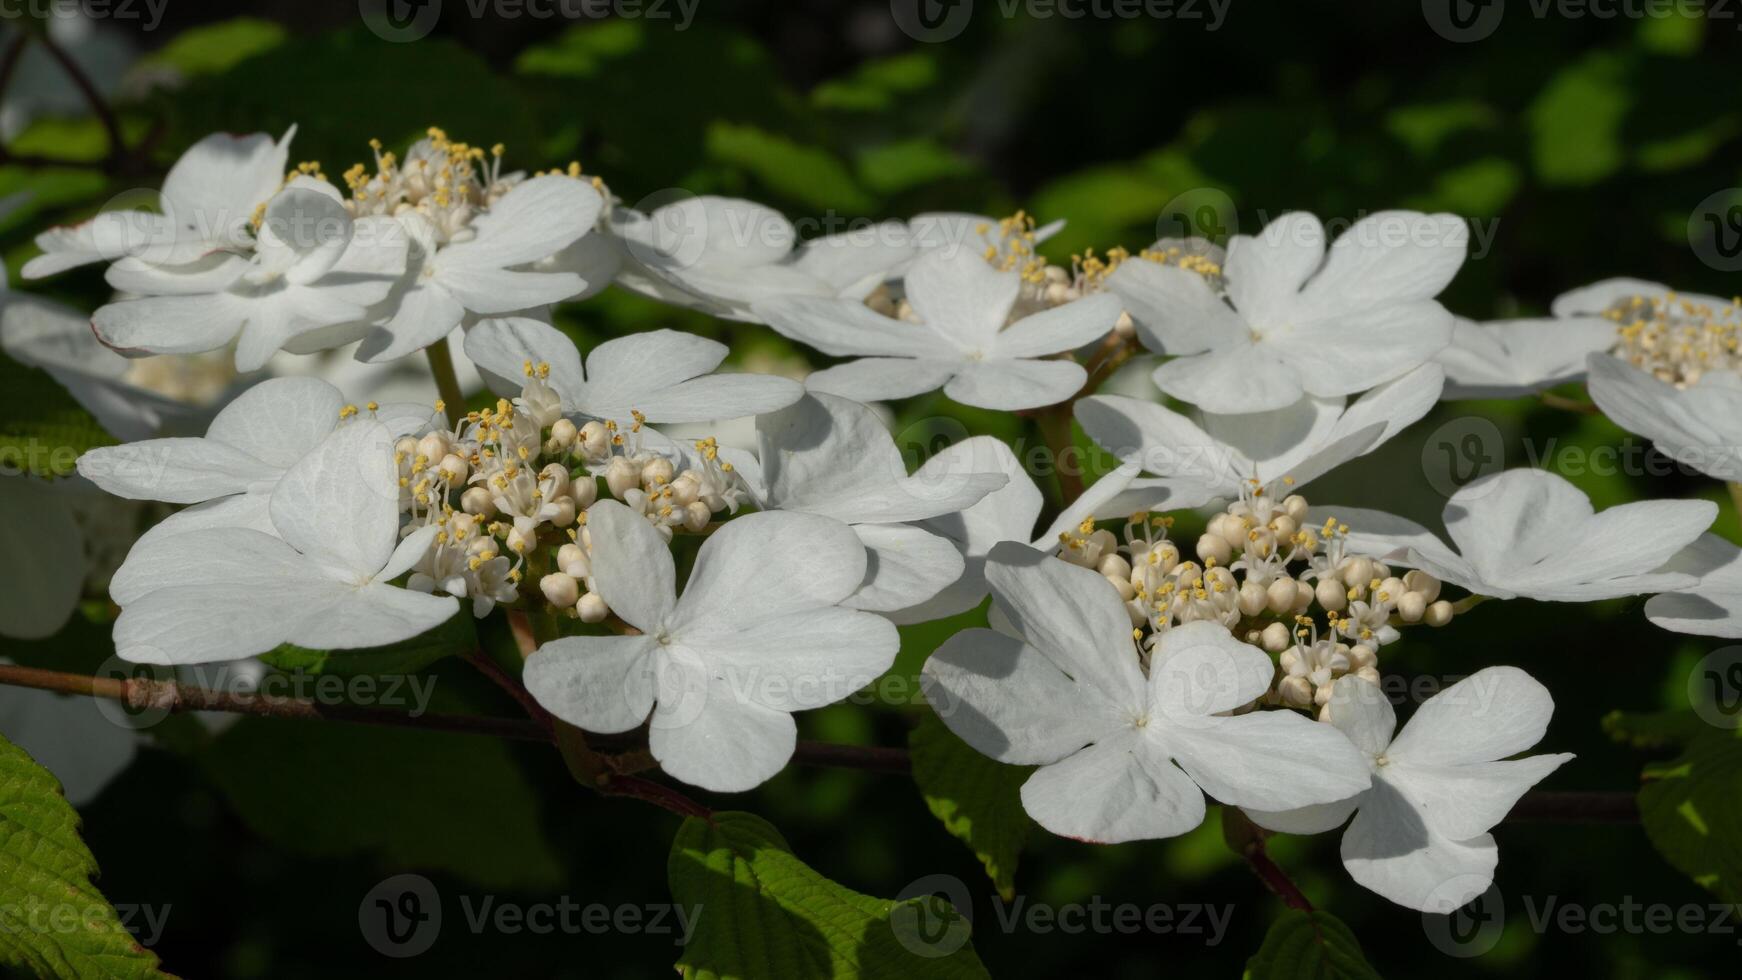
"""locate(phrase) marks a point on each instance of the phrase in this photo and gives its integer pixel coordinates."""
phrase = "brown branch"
(488, 666)
(1550, 806)
(1246, 839)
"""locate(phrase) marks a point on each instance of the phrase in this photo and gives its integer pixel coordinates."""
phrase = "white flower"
(1294, 320)
(58, 339)
(42, 543)
(964, 343)
(1420, 835)
(208, 199)
(1122, 757)
(1008, 514)
(230, 473)
(1531, 533)
(1514, 358)
(1679, 338)
(313, 269)
(1713, 605)
(1224, 456)
(324, 580)
(480, 272)
(720, 255)
(1699, 425)
(832, 456)
(755, 637)
(662, 374)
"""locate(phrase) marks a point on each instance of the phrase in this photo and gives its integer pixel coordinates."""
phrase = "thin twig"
(488, 666)
(1247, 839)
(99, 105)
(1553, 400)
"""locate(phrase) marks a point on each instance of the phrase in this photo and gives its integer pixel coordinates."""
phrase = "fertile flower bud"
(1276, 638)
(1303, 597)
(1280, 595)
(622, 476)
(1295, 691)
(1420, 581)
(1411, 607)
(561, 589)
(554, 479)
(1295, 506)
(1331, 594)
(1356, 571)
(562, 511)
(594, 442)
(433, 446)
(1123, 586)
(685, 490)
(585, 490)
(1393, 588)
(519, 541)
(478, 501)
(563, 433)
(406, 447)
(454, 469)
(657, 473)
(1361, 655)
(1283, 526)
(1115, 566)
(1214, 547)
(1438, 614)
(572, 559)
(592, 609)
(1252, 598)
(696, 516)
(1368, 674)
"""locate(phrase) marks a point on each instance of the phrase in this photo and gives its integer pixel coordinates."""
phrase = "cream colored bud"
(592, 609)
(657, 473)
(584, 490)
(1411, 607)
(1295, 691)
(1214, 548)
(594, 441)
(622, 476)
(1123, 587)
(1393, 588)
(1289, 660)
(562, 511)
(555, 477)
(1322, 696)
(1438, 614)
(1295, 506)
(563, 433)
(1252, 599)
(1420, 581)
(1261, 543)
(561, 589)
(1279, 596)
(685, 490)
(1356, 572)
(1331, 594)
(572, 559)
(696, 516)
(1276, 638)
(406, 446)
(1303, 597)
(1233, 530)
(1368, 674)
(1284, 527)
(1362, 655)
(477, 501)
(1219, 580)
(433, 446)
(1115, 566)
(1125, 327)
(454, 469)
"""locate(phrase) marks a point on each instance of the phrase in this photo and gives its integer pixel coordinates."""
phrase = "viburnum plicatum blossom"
(1007, 514)
(1123, 756)
(476, 236)
(1678, 338)
(756, 635)
(1712, 606)
(312, 268)
(1420, 834)
(662, 375)
(208, 199)
(720, 255)
(231, 472)
(322, 578)
(1292, 318)
(1225, 456)
(1533, 534)
(964, 341)
(833, 457)
(1515, 358)
(1699, 424)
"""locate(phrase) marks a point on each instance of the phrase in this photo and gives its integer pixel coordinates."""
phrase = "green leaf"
(1653, 729)
(1576, 122)
(447, 802)
(899, 166)
(878, 85)
(768, 914)
(1313, 945)
(458, 635)
(216, 47)
(1691, 808)
(53, 921)
(978, 800)
(807, 175)
(42, 430)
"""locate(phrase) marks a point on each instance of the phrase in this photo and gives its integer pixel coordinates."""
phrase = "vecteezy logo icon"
(1463, 21)
(1715, 688)
(1472, 929)
(931, 21)
(1461, 452)
(400, 21)
(1715, 230)
(402, 916)
(1202, 212)
(924, 928)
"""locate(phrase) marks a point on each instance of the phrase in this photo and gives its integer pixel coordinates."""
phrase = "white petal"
(340, 503)
(170, 324)
(503, 347)
(796, 661)
(1362, 711)
(1389, 257)
(147, 566)
(632, 565)
(765, 565)
(1390, 851)
(535, 220)
(1683, 429)
(1399, 540)
(960, 295)
(1314, 819)
(1514, 519)
(601, 684)
(845, 327)
(1617, 545)
(856, 262)
(1351, 352)
(1175, 311)
(1267, 270)
(1072, 616)
(1494, 713)
(1462, 801)
(279, 420)
(1713, 607)
(1512, 358)
(733, 745)
(1270, 760)
(423, 314)
(660, 374)
(497, 291)
(1240, 377)
(1199, 669)
(1013, 385)
(1597, 298)
(1111, 792)
(717, 231)
(1372, 420)
(218, 182)
(1161, 440)
(870, 379)
(177, 471)
(906, 566)
(1011, 703)
(1061, 328)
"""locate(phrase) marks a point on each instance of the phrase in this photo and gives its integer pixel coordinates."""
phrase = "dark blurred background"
(1581, 146)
